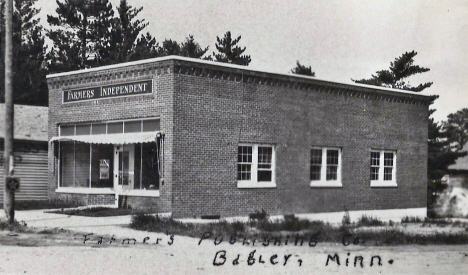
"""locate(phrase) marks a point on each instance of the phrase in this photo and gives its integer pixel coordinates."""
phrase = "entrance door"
(124, 166)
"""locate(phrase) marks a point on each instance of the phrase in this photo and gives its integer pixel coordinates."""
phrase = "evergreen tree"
(169, 47)
(29, 82)
(398, 72)
(124, 34)
(302, 69)
(146, 47)
(440, 152)
(190, 48)
(456, 129)
(229, 51)
(81, 33)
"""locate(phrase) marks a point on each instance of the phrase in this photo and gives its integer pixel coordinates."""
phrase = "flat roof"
(225, 65)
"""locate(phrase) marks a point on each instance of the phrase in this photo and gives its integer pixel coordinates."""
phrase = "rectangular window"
(382, 168)
(83, 129)
(99, 129)
(84, 165)
(67, 130)
(255, 166)
(132, 126)
(325, 167)
(244, 163)
(115, 128)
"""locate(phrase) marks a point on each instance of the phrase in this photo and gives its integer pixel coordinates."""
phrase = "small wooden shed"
(30, 151)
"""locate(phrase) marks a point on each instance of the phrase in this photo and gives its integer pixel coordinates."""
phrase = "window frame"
(381, 182)
(253, 182)
(323, 182)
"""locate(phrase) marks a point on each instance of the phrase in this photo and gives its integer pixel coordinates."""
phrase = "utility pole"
(9, 194)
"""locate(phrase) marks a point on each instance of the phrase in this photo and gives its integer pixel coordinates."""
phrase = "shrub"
(369, 221)
(408, 219)
(346, 221)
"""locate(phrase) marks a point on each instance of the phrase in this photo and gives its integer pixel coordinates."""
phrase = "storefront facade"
(192, 138)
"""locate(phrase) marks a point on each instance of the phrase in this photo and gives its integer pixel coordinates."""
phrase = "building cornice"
(203, 68)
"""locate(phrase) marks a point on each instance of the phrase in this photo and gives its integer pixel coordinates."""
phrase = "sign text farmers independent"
(117, 90)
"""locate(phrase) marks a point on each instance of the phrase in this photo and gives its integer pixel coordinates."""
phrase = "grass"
(40, 204)
(439, 222)
(16, 226)
(101, 212)
(293, 228)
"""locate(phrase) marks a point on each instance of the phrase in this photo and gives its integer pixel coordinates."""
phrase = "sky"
(341, 40)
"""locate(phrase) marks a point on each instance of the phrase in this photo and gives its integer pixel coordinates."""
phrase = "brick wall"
(215, 112)
(157, 104)
(85, 199)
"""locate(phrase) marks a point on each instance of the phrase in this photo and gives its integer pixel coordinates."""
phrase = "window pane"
(132, 126)
(115, 128)
(388, 173)
(244, 154)
(67, 163)
(375, 158)
(374, 173)
(82, 164)
(102, 165)
(83, 129)
(243, 171)
(149, 166)
(67, 130)
(99, 128)
(388, 159)
(264, 175)
(332, 157)
(315, 172)
(332, 172)
(316, 157)
(151, 125)
(264, 157)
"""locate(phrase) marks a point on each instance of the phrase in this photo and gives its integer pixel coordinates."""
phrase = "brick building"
(192, 138)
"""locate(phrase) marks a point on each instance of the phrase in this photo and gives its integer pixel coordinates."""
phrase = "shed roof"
(460, 164)
(30, 122)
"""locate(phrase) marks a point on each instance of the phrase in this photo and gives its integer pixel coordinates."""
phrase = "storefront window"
(102, 165)
(150, 171)
(84, 165)
(75, 162)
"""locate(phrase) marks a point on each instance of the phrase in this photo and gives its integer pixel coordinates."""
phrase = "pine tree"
(145, 47)
(29, 82)
(169, 47)
(440, 151)
(81, 34)
(230, 52)
(395, 77)
(190, 48)
(124, 34)
(456, 128)
(302, 69)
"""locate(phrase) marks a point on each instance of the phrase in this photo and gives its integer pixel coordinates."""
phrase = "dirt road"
(185, 256)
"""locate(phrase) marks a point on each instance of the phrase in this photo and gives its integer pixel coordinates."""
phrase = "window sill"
(84, 190)
(251, 184)
(325, 184)
(110, 191)
(383, 184)
(140, 193)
